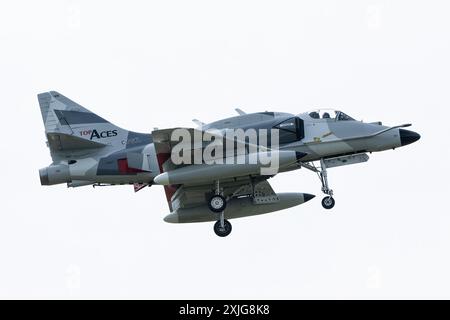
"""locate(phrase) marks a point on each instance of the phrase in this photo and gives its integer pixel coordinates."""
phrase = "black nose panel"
(408, 137)
(308, 197)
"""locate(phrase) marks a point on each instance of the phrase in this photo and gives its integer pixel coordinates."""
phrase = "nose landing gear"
(328, 202)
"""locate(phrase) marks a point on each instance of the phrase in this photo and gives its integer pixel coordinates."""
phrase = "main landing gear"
(217, 204)
(327, 202)
(223, 228)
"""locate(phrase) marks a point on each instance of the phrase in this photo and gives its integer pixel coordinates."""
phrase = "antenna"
(240, 112)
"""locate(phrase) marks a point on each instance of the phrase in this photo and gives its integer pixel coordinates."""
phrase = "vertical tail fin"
(73, 130)
(69, 126)
(59, 113)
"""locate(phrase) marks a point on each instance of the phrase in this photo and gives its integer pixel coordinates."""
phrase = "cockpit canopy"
(329, 114)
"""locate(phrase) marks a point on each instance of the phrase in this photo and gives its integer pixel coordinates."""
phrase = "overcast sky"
(143, 64)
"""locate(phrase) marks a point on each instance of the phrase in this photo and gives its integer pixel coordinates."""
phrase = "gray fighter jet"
(203, 180)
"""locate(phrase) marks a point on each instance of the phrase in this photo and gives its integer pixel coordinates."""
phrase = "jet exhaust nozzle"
(54, 174)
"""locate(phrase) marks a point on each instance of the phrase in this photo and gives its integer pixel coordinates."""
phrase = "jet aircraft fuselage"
(88, 150)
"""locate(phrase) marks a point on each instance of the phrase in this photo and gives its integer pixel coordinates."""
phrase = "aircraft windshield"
(330, 115)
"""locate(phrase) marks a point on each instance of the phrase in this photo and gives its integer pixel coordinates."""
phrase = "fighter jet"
(202, 179)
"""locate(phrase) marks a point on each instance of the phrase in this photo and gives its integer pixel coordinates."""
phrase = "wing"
(198, 181)
(181, 196)
(164, 144)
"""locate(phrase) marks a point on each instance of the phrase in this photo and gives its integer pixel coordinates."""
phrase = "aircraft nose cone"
(408, 137)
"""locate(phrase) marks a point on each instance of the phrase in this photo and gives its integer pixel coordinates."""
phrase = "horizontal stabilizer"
(66, 142)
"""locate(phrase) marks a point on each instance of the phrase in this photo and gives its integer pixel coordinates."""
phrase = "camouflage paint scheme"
(71, 137)
(88, 150)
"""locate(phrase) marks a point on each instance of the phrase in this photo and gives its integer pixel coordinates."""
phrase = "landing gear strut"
(217, 204)
(327, 202)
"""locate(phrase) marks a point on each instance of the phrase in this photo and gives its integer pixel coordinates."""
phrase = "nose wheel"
(328, 202)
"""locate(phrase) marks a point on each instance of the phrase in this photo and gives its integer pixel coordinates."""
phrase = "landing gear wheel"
(223, 231)
(328, 203)
(217, 204)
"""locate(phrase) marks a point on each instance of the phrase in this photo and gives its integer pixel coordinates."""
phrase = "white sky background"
(144, 64)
